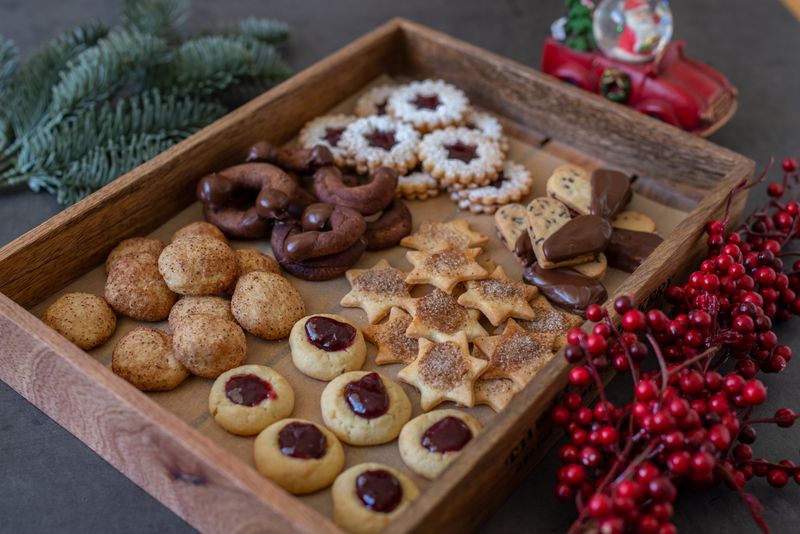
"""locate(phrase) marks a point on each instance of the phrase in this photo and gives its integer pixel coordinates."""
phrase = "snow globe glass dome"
(632, 30)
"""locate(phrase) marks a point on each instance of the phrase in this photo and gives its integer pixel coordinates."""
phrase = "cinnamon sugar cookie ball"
(85, 319)
(208, 346)
(188, 306)
(266, 304)
(135, 288)
(132, 247)
(145, 358)
(249, 260)
(199, 228)
(197, 265)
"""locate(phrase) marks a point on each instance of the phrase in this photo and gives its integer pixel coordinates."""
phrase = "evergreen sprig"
(94, 103)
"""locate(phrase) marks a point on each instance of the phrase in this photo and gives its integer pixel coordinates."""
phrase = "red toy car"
(672, 88)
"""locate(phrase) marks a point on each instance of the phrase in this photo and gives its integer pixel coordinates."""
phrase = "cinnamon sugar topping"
(397, 342)
(443, 366)
(389, 281)
(441, 311)
(446, 262)
(519, 351)
(498, 289)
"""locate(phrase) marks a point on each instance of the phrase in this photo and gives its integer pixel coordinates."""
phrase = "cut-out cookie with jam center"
(428, 104)
(327, 131)
(374, 101)
(461, 156)
(380, 141)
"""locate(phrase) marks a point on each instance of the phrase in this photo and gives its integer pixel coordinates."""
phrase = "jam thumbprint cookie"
(298, 455)
(246, 400)
(364, 408)
(367, 497)
(324, 346)
(431, 441)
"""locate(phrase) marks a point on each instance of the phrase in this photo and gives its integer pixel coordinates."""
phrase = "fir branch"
(150, 113)
(28, 95)
(266, 30)
(9, 62)
(99, 71)
(268, 66)
(156, 17)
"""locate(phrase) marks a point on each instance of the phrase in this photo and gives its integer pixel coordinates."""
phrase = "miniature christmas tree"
(578, 28)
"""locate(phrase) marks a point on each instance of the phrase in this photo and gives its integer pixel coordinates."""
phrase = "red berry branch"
(694, 375)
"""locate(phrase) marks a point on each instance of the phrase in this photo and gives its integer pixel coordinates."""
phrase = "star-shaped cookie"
(444, 371)
(445, 268)
(516, 353)
(376, 290)
(439, 317)
(548, 320)
(436, 235)
(496, 393)
(499, 297)
(394, 345)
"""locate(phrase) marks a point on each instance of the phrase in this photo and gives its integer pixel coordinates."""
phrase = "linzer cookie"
(417, 186)
(499, 297)
(548, 320)
(512, 184)
(571, 185)
(376, 290)
(633, 220)
(461, 156)
(488, 125)
(566, 288)
(439, 317)
(375, 141)
(444, 268)
(628, 249)
(610, 192)
(428, 104)
(394, 345)
(327, 131)
(516, 354)
(546, 217)
(373, 102)
(444, 371)
(434, 235)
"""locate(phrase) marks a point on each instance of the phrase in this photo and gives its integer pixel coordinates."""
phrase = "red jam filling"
(248, 390)
(446, 435)
(332, 135)
(381, 139)
(459, 150)
(367, 397)
(379, 490)
(380, 108)
(329, 334)
(426, 101)
(302, 440)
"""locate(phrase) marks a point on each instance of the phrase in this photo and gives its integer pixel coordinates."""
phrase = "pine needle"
(9, 62)
(157, 17)
(269, 31)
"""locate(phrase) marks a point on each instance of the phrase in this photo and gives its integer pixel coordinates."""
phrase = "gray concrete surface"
(49, 481)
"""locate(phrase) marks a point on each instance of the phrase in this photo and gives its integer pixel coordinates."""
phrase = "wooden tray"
(189, 471)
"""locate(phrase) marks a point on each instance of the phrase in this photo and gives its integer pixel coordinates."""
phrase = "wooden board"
(184, 460)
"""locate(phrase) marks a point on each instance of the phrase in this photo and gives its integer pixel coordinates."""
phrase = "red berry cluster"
(694, 380)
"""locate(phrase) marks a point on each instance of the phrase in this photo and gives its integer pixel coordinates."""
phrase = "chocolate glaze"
(300, 246)
(585, 234)
(315, 216)
(367, 397)
(272, 203)
(523, 249)
(611, 190)
(459, 150)
(448, 434)
(248, 390)
(379, 138)
(628, 248)
(566, 288)
(426, 101)
(329, 334)
(214, 190)
(379, 490)
(302, 440)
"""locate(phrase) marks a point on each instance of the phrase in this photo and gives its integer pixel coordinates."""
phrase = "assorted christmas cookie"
(548, 320)
(439, 317)
(444, 269)
(208, 346)
(136, 289)
(145, 358)
(512, 184)
(499, 297)
(428, 104)
(435, 235)
(373, 142)
(417, 186)
(516, 354)
(266, 304)
(633, 220)
(247, 399)
(325, 346)
(394, 344)
(566, 288)
(133, 247)
(488, 125)
(298, 455)
(198, 265)
(431, 441)
(249, 260)
(199, 228)
(604, 193)
(364, 408)
(627, 249)
(495, 393)
(570, 185)
(83, 318)
(461, 158)
(367, 497)
(208, 305)
(511, 221)
(444, 372)
(376, 290)
(374, 100)
(327, 131)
